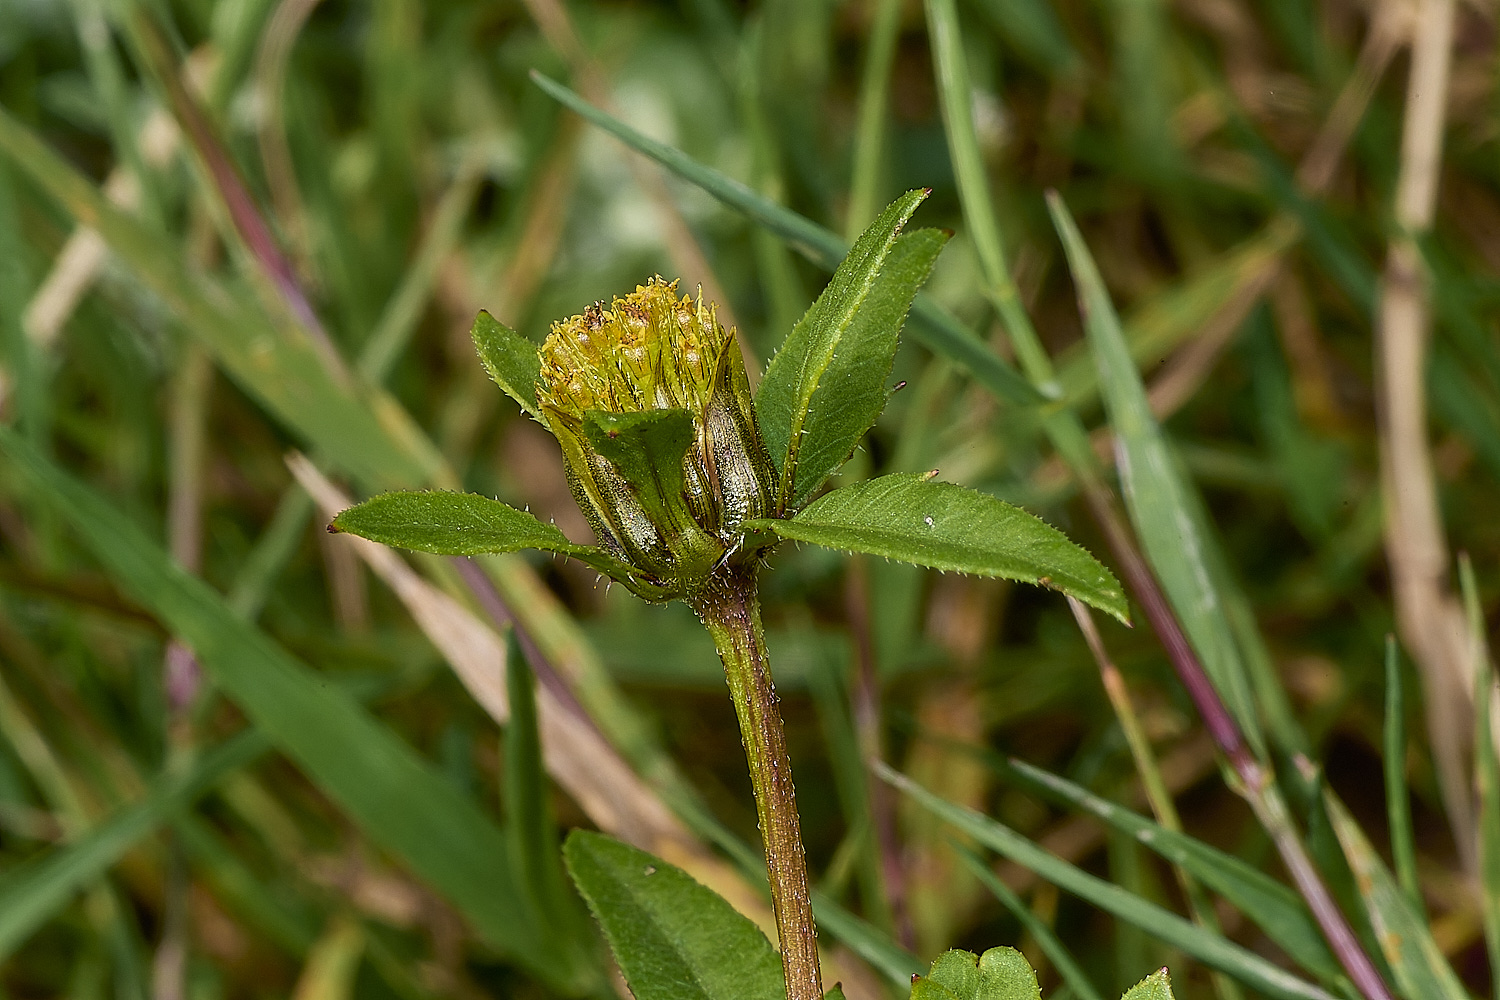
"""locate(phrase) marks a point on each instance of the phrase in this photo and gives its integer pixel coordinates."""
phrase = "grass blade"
(1276, 909)
(1211, 949)
(1486, 770)
(1155, 492)
(396, 798)
(278, 366)
(1397, 797)
(33, 892)
(1057, 954)
(935, 328)
(1421, 971)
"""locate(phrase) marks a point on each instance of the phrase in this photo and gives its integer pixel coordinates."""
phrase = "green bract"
(684, 477)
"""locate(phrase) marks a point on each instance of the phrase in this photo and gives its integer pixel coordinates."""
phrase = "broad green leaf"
(915, 519)
(1004, 974)
(397, 799)
(923, 988)
(958, 971)
(1211, 949)
(852, 390)
(1422, 973)
(933, 326)
(803, 394)
(1066, 965)
(33, 892)
(462, 524)
(1275, 908)
(512, 360)
(999, 974)
(1157, 986)
(1156, 494)
(647, 448)
(673, 938)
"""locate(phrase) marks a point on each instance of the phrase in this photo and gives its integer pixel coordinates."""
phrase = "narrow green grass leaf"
(462, 524)
(249, 899)
(1032, 29)
(512, 361)
(1056, 952)
(1274, 907)
(1156, 494)
(1397, 797)
(1211, 949)
(400, 802)
(805, 395)
(913, 519)
(32, 893)
(528, 810)
(1486, 769)
(674, 939)
(842, 390)
(1421, 971)
(934, 327)
(876, 947)
(275, 364)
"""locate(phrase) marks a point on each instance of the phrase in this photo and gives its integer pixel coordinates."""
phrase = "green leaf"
(463, 524)
(1420, 969)
(852, 390)
(1157, 986)
(1004, 974)
(33, 892)
(647, 448)
(1213, 950)
(807, 375)
(923, 988)
(1156, 494)
(1067, 966)
(397, 799)
(934, 327)
(673, 938)
(512, 361)
(958, 971)
(914, 519)
(1276, 909)
(999, 974)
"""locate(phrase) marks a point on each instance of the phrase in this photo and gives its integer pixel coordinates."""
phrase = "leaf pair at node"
(684, 476)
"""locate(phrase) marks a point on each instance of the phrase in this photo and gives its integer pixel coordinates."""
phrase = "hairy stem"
(730, 610)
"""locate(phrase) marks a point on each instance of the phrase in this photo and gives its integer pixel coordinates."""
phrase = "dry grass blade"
(582, 763)
(1430, 617)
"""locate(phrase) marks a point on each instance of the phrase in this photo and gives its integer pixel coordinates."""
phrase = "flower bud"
(651, 405)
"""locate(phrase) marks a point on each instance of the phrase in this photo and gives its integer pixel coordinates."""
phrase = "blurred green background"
(224, 225)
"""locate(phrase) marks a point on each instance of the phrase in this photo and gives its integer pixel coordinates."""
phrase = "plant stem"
(730, 609)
